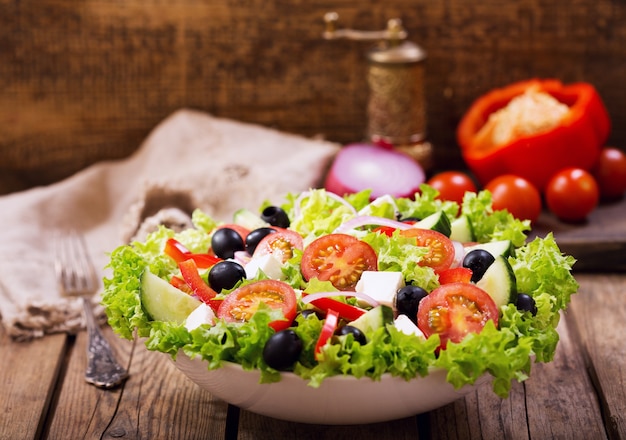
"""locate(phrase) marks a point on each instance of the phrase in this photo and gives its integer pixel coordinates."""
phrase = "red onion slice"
(305, 194)
(367, 220)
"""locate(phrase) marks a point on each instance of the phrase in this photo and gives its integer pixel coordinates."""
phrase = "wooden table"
(580, 395)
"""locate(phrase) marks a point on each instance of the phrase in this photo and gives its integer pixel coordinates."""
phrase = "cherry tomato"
(242, 303)
(517, 195)
(452, 185)
(455, 310)
(338, 258)
(610, 173)
(280, 244)
(572, 194)
(441, 250)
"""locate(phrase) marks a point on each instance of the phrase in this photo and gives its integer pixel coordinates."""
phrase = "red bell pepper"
(575, 142)
(189, 272)
(345, 311)
(327, 332)
(178, 252)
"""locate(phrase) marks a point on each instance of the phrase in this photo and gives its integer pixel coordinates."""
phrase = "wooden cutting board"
(599, 244)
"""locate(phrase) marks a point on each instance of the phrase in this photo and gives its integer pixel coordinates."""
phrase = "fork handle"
(103, 370)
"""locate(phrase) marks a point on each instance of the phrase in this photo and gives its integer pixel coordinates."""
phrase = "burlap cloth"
(191, 160)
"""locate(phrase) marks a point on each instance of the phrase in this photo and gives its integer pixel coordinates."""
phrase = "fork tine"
(73, 266)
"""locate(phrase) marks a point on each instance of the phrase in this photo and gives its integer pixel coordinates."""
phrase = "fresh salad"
(324, 285)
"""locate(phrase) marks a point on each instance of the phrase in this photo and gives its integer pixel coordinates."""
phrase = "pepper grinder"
(396, 108)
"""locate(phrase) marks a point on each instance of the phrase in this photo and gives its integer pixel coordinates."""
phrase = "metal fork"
(77, 277)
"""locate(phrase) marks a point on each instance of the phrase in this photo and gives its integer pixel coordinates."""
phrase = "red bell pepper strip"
(189, 272)
(328, 330)
(178, 252)
(575, 142)
(345, 311)
(180, 284)
(455, 275)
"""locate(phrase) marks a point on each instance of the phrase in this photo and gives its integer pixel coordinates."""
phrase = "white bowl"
(340, 400)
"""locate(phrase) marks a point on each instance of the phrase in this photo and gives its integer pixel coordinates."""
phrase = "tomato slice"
(189, 272)
(345, 311)
(242, 303)
(280, 244)
(441, 249)
(328, 330)
(338, 258)
(455, 275)
(178, 252)
(455, 310)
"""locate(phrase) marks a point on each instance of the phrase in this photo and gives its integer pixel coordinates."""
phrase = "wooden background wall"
(84, 80)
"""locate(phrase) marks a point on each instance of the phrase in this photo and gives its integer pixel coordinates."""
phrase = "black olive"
(225, 275)
(526, 303)
(225, 242)
(254, 238)
(282, 349)
(275, 216)
(408, 299)
(359, 336)
(478, 261)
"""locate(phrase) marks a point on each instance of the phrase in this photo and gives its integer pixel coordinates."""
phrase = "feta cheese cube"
(406, 326)
(203, 314)
(268, 264)
(380, 286)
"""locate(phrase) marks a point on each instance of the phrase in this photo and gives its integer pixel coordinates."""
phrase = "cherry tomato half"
(338, 258)
(452, 185)
(571, 194)
(242, 303)
(280, 244)
(441, 250)
(610, 173)
(455, 310)
(517, 195)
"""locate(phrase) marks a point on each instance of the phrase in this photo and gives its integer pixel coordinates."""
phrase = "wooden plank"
(599, 311)
(83, 410)
(560, 398)
(28, 374)
(156, 401)
(598, 244)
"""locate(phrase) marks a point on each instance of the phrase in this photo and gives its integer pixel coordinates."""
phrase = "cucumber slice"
(248, 219)
(379, 316)
(164, 302)
(462, 230)
(495, 248)
(499, 281)
(438, 221)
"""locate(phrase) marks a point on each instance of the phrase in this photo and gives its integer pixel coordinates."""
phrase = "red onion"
(365, 220)
(359, 167)
(303, 195)
(459, 254)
